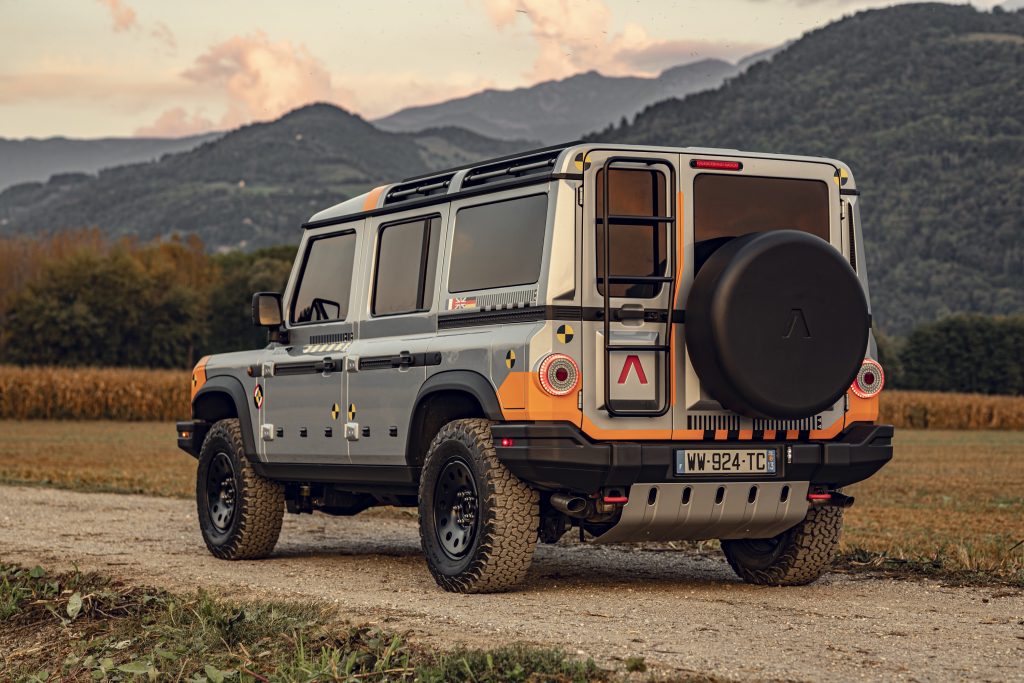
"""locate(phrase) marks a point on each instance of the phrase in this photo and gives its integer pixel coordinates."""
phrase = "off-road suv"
(644, 344)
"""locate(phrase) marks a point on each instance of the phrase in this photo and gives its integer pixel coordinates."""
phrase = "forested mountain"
(33, 159)
(556, 111)
(926, 103)
(252, 187)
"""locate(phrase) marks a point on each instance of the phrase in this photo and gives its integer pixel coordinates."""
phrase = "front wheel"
(478, 522)
(793, 558)
(240, 512)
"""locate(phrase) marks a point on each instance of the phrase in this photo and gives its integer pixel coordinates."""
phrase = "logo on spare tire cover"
(797, 325)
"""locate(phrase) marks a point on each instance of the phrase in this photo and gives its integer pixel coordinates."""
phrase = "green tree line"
(77, 299)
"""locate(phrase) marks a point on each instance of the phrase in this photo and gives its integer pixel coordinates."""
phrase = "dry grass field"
(949, 499)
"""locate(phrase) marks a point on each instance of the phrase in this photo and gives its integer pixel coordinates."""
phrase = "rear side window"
(326, 279)
(638, 249)
(406, 264)
(729, 206)
(498, 244)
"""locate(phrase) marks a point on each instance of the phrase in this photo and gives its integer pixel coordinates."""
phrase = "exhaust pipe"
(574, 506)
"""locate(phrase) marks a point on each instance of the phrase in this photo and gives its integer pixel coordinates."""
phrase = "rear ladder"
(609, 279)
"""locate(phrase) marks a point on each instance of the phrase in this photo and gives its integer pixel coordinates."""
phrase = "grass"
(118, 457)
(949, 502)
(75, 626)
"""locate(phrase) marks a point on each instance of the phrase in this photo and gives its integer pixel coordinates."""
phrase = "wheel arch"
(446, 396)
(223, 397)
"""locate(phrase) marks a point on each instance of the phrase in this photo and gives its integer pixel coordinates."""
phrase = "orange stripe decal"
(372, 197)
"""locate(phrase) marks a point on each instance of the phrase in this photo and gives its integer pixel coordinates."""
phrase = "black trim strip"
(530, 314)
(849, 192)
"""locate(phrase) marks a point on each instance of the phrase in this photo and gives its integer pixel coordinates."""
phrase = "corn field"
(55, 393)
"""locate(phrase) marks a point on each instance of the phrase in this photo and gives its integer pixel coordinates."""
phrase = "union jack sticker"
(461, 303)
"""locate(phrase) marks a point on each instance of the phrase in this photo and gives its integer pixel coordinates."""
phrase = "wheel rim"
(455, 509)
(220, 491)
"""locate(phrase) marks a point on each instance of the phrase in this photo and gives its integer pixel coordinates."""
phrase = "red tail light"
(870, 379)
(717, 164)
(559, 374)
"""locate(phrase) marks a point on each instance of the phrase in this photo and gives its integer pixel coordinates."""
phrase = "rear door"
(629, 283)
(727, 196)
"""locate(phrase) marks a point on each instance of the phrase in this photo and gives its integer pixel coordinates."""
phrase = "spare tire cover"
(777, 325)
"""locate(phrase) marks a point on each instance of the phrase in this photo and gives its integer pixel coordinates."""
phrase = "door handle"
(403, 360)
(326, 365)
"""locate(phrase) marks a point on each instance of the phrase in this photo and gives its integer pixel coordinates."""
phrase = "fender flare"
(467, 381)
(229, 387)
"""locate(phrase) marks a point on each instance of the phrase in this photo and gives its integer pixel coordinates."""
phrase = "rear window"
(638, 248)
(730, 206)
(326, 279)
(498, 244)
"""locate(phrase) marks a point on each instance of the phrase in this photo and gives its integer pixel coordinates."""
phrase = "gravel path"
(679, 610)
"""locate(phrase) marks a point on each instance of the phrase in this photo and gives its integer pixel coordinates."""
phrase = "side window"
(638, 249)
(406, 264)
(326, 279)
(498, 244)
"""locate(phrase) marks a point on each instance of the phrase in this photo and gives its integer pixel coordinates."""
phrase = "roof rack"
(510, 157)
(425, 187)
(525, 165)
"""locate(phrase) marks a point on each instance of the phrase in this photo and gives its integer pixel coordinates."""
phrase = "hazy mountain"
(556, 111)
(926, 103)
(251, 187)
(34, 159)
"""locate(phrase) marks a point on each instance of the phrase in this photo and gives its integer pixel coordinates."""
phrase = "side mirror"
(266, 309)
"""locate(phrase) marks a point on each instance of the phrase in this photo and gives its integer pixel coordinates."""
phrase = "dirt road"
(678, 610)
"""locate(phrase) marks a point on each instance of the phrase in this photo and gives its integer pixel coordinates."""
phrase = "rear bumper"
(559, 456)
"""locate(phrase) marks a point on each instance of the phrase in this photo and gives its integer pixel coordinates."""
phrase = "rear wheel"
(793, 558)
(478, 522)
(240, 512)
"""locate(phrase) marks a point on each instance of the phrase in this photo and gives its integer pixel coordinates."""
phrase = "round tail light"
(870, 379)
(559, 374)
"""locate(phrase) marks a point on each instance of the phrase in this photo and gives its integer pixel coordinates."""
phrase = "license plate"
(726, 461)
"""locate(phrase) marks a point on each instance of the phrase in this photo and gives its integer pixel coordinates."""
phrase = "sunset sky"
(90, 68)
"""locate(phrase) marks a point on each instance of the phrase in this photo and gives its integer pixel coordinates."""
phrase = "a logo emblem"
(564, 333)
(510, 359)
(351, 412)
(335, 411)
(257, 397)
(632, 363)
(796, 325)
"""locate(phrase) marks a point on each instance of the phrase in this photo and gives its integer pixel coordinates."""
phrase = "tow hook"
(825, 498)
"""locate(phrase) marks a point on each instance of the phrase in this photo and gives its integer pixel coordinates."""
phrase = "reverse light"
(870, 379)
(559, 375)
(717, 164)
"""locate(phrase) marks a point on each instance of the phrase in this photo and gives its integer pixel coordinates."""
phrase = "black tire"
(486, 544)
(793, 558)
(240, 512)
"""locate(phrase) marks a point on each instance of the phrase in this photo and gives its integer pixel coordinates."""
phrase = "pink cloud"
(572, 36)
(261, 79)
(176, 123)
(122, 15)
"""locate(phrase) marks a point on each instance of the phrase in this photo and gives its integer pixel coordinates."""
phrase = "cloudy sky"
(89, 68)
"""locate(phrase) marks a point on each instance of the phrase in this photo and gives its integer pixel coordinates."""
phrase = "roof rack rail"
(518, 155)
(426, 187)
(518, 167)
